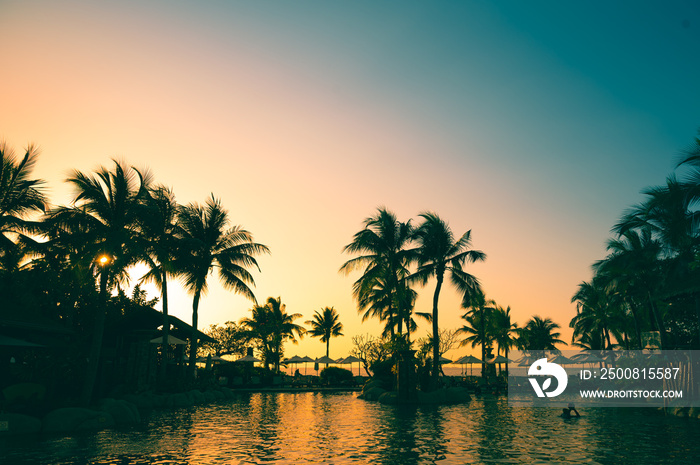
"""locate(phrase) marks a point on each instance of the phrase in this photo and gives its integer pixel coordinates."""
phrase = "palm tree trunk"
(96, 345)
(400, 323)
(328, 346)
(659, 322)
(436, 335)
(483, 344)
(165, 346)
(637, 331)
(193, 341)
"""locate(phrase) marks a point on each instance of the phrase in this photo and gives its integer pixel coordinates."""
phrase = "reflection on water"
(337, 428)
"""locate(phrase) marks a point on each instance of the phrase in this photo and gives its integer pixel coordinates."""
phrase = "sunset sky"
(534, 124)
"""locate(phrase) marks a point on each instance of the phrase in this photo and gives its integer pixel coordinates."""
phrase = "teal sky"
(534, 124)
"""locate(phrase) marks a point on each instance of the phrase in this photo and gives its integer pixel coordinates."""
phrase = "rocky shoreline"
(374, 390)
(126, 410)
(106, 413)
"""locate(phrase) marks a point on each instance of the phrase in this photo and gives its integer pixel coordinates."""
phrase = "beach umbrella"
(499, 359)
(208, 360)
(527, 360)
(350, 360)
(248, 358)
(593, 358)
(305, 359)
(444, 360)
(295, 360)
(468, 360)
(561, 360)
(586, 357)
(325, 359)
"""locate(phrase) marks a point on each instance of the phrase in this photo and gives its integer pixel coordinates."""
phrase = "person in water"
(566, 412)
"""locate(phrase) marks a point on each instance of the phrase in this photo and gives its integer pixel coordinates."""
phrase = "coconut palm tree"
(209, 244)
(439, 253)
(598, 311)
(504, 331)
(326, 324)
(20, 195)
(159, 228)
(665, 216)
(385, 258)
(270, 326)
(633, 271)
(539, 335)
(480, 324)
(104, 219)
(667, 211)
(258, 328)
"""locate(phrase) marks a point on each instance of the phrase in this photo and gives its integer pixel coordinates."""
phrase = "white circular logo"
(544, 368)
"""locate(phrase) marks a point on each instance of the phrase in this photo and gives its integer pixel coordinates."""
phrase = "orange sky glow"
(303, 128)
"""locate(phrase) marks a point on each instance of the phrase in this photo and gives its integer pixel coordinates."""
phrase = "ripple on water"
(337, 428)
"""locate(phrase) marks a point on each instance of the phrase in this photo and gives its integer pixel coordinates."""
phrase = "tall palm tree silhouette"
(325, 325)
(210, 244)
(440, 253)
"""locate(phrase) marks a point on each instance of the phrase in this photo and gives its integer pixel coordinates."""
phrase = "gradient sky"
(534, 124)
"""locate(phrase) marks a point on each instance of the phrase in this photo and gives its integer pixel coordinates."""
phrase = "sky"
(532, 124)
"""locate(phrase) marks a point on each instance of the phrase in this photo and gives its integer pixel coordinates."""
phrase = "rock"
(227, 393)
(141, 401)
(123, 412)
(21, 392)
(680, 411)
(179, 400)
(98, 422)
(373, 383)
(209, 396)
(15, 423)
(76, 419)
(218, 395)
(389, 398)
(196, 396)
(157, 400)
(373, 393)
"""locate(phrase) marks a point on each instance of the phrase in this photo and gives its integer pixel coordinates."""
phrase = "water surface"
(340, 429)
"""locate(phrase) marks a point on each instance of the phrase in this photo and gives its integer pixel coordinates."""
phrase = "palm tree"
(479, 327)
(668, 215)
(667, 212)
(538, 335)
(326, 324)
(208, 245)
(258, 328)
(503, 331)
(270, 326)
(105, 220)
(439, 253)
(159, 228)
(599, 311)
(633, 271)
(381, 290)
(20, 195)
